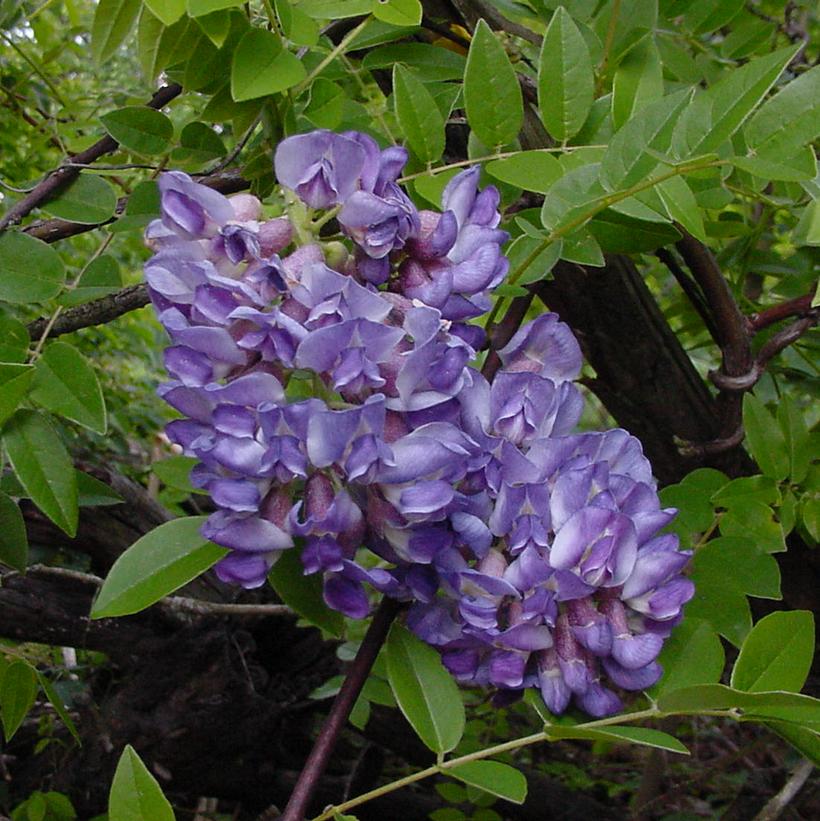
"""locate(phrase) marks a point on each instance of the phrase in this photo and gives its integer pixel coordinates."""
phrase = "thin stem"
(507, 746)
(35, 68)
(610, 39)
(342, 705)
(332, 55)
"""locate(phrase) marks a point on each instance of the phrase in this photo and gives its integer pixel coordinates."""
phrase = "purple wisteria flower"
(325, 389)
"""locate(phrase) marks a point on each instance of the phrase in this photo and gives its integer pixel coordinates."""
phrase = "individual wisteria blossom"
(325, 388)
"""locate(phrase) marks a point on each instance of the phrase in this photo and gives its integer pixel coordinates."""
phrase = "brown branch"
(98, 312)
(689, 288)
(342, 705)
(226, 182)
(798, 306)
(60, 177)
(504, 331)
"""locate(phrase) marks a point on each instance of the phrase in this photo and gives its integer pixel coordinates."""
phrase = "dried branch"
(98, 312)
(226, 182)
(775, 807)
(174, 604)
(60, 177)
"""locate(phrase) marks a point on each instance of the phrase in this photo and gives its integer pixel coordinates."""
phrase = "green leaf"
(113, 20)
(804, 740)
(135, 794)
(807, 231)
(198, 8)
(42, 464)
(765, 439)
(156, 565)
(571, 197)
(89, 199)
(566, 82)
(619, 234)
(492, 96)
(13, 539)
(331, 9)
(167, 11)
(432, 186)
(796, 433)
(644, 736)
(139, 129)
(100, 278)
(418, 115)
(262, 66)
(198, 144)
(216, 25)
(91, 492)
(530, 170)
(30, 270)
(788, 120)
(581, 247)
(703, 16)
(67, 385)
(762, 489)
(398, 12)
(426, 693)
(296, 25)
(59, 706)
(326, 106)
(638, 81)
(17, 692)
(175, 471)
(777, 654)
(680, 204)
(15, 381)
(692, 655)
(303, 593)
(756, 523)
(724, 107)
(800, 165)
(493, 777)
(429, 62)
(522, 249)
(628, 159)
(14, 341)
(778, 705)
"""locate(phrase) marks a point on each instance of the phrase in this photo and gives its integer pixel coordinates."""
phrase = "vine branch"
(60, 177)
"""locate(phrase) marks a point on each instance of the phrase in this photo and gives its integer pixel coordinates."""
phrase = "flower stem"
(339, 712)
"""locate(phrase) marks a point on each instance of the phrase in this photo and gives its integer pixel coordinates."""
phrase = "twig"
(776, 805)
(791, 307)
(175, 604)
(53, 230)
(98, 312)
(342, 705)
(689, 288)
(63, 175)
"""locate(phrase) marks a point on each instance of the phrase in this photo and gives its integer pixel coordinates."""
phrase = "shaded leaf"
(15, 381)
(18, 688)
(135, 794)
(139, 129)
(262, 66)
(644, 736)
(530, 170)
(113, 20)
(418, 115)
(88, 199)
(30, 270)
(67, 385)
(398, 12)
(304, 594)
(765, 439)
(692, 655)
(13, 539)
(42, 464)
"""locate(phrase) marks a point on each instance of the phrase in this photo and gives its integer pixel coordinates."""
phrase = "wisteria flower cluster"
(327, 393)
